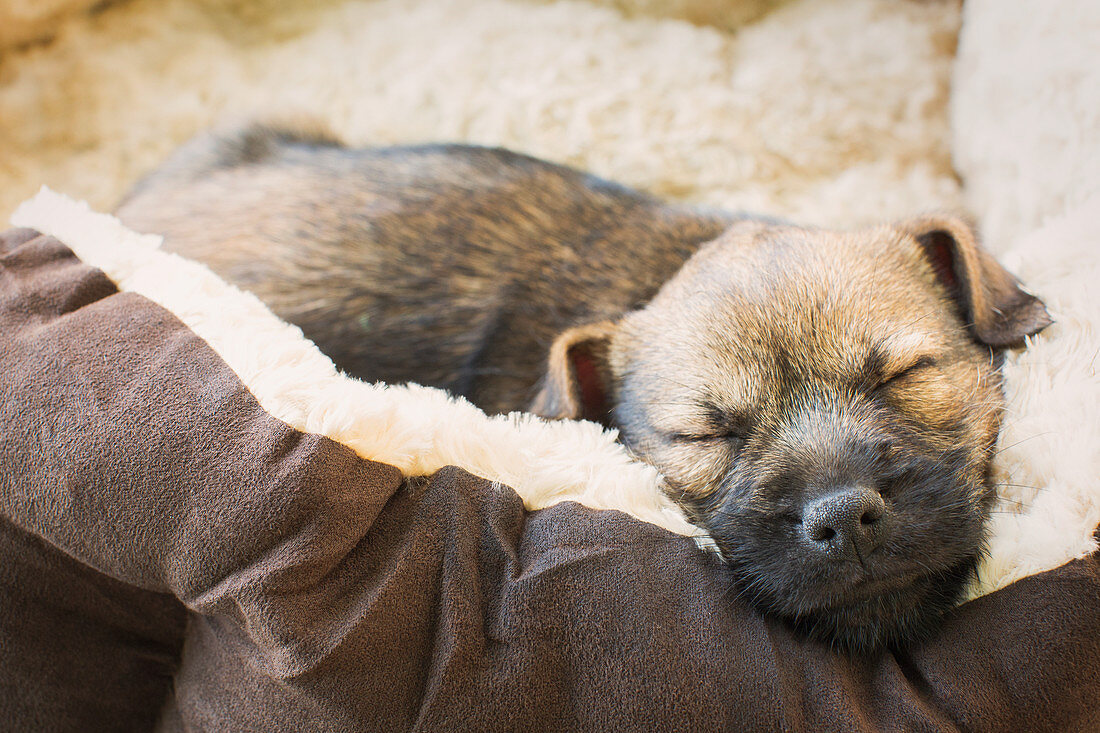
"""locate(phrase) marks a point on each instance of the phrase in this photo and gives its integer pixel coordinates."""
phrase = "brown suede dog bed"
(174, 556)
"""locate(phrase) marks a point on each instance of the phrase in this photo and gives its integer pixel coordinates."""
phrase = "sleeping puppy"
(824, 403)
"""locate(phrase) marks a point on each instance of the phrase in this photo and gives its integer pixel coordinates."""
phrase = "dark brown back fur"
(447, 265)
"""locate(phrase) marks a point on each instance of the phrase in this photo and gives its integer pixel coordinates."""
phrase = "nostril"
(822, 534)
(874, 512)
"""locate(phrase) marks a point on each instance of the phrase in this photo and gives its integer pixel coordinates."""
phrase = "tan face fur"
(788, 338)
(784, 367)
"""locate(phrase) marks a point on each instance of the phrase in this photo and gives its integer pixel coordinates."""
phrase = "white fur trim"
(417, 429)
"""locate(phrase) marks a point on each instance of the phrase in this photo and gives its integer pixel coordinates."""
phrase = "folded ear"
(578, 378)
(998, 312)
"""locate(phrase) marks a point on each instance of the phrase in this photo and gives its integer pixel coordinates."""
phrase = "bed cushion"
(174, 552)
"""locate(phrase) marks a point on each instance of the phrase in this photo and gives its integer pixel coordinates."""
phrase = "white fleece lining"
(419, 430)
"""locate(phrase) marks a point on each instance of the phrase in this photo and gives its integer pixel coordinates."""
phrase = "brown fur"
(780, 327)
(762, 367)
(446, 265)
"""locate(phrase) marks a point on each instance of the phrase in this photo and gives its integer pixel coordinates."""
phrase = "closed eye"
(920, 364)
(705, 437)
(728, 437)
(718, 426)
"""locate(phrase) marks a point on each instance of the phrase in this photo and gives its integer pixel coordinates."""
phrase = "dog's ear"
(997, 311)
(578, 377)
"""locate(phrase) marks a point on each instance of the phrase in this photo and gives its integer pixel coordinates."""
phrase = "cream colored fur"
(1026, 114)
(1048, 465)
(826, 111)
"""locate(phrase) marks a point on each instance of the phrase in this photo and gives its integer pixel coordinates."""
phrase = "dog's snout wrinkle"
(848, 524)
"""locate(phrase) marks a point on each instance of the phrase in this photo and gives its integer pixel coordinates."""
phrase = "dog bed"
(206, 527)
(201, 529)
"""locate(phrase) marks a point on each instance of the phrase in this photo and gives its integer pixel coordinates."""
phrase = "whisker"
(1024, 440)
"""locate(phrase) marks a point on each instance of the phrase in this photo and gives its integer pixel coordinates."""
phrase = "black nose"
(847, 524)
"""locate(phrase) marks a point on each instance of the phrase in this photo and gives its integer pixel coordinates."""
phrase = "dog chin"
(867, 619)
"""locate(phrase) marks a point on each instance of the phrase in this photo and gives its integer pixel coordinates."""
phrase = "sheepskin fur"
(827, 111)
(1026, 114)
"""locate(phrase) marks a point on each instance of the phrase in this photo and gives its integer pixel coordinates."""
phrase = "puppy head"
(825, 404)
